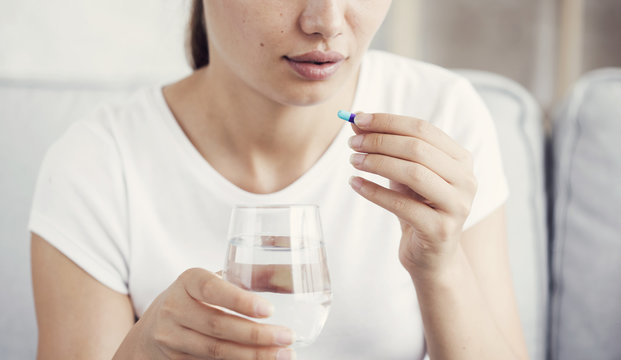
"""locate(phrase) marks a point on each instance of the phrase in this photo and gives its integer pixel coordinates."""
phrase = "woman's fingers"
(272, 278)
(197, 318)
(410, 149)
(418, 155)
(407, 126)
(419, 215)
(206, 287)
(276, 278)
(199, 346)
(212, 333)
(216, 323)
(417, 177)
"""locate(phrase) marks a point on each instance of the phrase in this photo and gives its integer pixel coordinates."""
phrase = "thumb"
(358, 130)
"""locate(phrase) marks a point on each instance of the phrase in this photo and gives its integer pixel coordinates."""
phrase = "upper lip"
(317, 56)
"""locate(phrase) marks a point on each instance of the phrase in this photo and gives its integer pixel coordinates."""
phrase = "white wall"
(545, 45)
(111, 41)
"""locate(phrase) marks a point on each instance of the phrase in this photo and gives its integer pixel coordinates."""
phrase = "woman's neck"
(257, 144)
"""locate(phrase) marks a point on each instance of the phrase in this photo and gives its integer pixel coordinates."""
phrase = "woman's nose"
(323, 17)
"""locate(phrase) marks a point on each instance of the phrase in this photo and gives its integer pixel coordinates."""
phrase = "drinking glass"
(278, 252)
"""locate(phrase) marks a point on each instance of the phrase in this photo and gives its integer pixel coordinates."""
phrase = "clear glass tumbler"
(278, 251)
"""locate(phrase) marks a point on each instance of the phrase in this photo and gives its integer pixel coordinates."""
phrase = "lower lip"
(312, 71)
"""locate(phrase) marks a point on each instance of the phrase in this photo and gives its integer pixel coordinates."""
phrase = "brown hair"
(197, 37)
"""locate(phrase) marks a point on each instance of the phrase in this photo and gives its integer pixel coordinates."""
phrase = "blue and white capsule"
(347, 116)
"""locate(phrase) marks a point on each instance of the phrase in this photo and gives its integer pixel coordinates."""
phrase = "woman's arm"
(462, 278)
(469, 312)
(77, 316)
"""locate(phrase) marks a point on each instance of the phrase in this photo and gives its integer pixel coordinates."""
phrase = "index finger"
(208, 288)
(408, 126)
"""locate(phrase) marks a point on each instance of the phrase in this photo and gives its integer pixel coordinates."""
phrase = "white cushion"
(519, 125)
(586, 293)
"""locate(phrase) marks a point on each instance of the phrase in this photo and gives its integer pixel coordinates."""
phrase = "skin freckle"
(262, 44)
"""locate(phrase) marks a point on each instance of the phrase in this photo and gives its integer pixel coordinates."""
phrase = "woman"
(131, 206)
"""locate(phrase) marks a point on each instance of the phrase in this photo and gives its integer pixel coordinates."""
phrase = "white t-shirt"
(126, 196)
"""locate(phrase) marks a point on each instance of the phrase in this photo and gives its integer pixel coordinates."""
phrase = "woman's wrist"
(439, 269)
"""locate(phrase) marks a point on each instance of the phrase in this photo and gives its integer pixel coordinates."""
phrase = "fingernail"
(355, 141)
(285, 354)
(356, 159)
(284, 337)
(363, 119)
(263, 307)
(355, 182)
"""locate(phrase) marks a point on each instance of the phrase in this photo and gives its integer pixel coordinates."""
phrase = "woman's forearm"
(456, 316)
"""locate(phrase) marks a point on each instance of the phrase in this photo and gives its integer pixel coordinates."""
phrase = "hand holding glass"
(278, 251)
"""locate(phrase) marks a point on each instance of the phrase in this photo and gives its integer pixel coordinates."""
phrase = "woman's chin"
(308, 95)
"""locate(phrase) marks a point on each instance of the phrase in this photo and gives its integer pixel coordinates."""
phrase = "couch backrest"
(518, 122)
(585, 319)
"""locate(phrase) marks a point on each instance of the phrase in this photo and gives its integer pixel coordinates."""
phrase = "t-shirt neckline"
(233, 193)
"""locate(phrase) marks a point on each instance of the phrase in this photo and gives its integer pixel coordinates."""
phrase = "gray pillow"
(585, 319)
(519, 126)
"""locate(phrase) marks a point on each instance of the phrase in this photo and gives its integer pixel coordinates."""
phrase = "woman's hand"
(432, 185)
(186, 322)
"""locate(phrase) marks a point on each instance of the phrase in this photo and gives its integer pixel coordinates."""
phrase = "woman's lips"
(316, 65)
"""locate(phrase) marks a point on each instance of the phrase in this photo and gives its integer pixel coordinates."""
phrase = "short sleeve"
(467, 120)
(79, 204)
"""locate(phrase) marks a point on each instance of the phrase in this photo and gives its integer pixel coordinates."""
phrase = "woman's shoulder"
(102, 132)
(395, 68)
(397, 84)
(122, 112)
